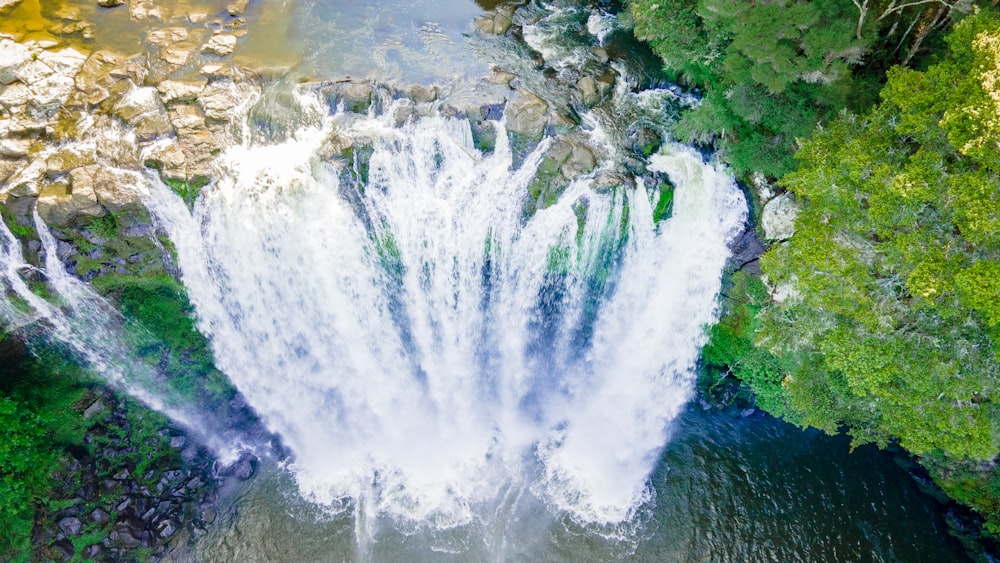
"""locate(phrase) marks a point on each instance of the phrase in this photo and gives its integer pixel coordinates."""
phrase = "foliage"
(37, 395)
(731, 345)
(895, 259)
(773, 70)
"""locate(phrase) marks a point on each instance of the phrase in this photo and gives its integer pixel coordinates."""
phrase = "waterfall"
(421, 342)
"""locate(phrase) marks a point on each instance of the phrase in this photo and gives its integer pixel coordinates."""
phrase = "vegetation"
(771, 71)
(881, 316)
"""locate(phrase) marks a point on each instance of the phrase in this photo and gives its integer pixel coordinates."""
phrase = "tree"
(895, 264)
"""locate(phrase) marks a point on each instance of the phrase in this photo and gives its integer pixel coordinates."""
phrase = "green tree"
(893, 272)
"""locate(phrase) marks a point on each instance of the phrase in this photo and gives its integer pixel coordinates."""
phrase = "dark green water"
(726, 489)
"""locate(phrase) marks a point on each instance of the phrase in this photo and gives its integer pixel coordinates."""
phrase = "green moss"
(665, 203)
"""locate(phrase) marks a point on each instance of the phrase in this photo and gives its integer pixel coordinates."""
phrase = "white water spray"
(420, 343)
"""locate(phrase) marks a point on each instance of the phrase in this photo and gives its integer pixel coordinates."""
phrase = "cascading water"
(422, 343)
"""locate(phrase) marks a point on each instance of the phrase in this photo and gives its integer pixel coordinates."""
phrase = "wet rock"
(220, 99)
(221, 45)
(73, 203)
(177, 442)
(12, 56)
(99, 516)
(243, 468)
(98, 75)
(94, 409)
(526, 115)
(167, 529)
(778, 218)
(587, 87)
(237, 7)
(17, 94)
(178, 91)
(177, 55)
(15, 148)
(62, 550)
(501, 77)
(572, 157)
(6, 4)
(498, 22)
(70, 525)
(355, 95)
(117, 191)
(110, 3)
(167, 36)
(144, 9)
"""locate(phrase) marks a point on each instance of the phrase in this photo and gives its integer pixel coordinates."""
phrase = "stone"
(73, 203)
(143, 9)
(136, 103)
(221, 45)
(94, 409)
(177, 442)
(6, 4)
(70, 525)
(526, 115)
(110, 3)
(116, 190)
(15, 148)
(99, 75)
(778, 217)
(99, 516)
(66, 159)
(221, 98)
(237, 7)
(152, 126)
(66, 62)
(587, 87)
(166, 36)
(176, 56)
(356, 96)
(15, 95)
(501, 77)
(172, 91)
(12, 56)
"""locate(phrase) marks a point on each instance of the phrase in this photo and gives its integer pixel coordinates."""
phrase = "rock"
(137, 102)
(110, 3)
(172, 91)
(222, 45)
(177, 55)
(15, 95)
(167, 36)
(61, 550)
(70, 525)
(526, 115)
(15, 148)
(501, 77)
(12, 56)
(587, 87)
(167, 528)
(356, 96)
(572, 157)
(243, 468)
(66, 159)
(99, 516)
(237, 7)
(143, 9)
(778, 218)
(221, 98)
(71, 204)
(177, 442)
(116, 190)
(98, 75)
(94, 409)
(6, 4)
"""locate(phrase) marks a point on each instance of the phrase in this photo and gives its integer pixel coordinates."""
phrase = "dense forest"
(881, 315)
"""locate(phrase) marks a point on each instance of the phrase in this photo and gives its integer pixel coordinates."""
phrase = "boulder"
(167, 36)
(14, 95)
(220, 98)
(12, 56)
(172, 91)
(74, 203)
(144, 9)
(136, 103)
(355, 95)
(237, 7)
(6, 4)
(527, 115)
(110, 3)
(66, 159)
(15, 148)
(116, 190)
(177, 55)
(587, 87)
(98, 75)
(221, 45)
(778, 218)
(70, 525)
